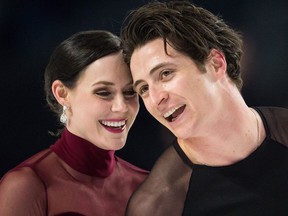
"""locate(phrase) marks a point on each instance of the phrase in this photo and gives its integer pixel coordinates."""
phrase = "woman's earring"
(63, 117)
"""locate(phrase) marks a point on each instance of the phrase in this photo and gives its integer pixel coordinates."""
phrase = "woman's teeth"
(113, 123)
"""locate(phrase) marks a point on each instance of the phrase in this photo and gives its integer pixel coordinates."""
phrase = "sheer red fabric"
(73, 177)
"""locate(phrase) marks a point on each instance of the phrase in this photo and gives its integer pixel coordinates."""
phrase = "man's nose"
(158, 95)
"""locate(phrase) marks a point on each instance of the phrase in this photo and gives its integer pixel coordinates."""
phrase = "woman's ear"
(218, 62)
(60, 92)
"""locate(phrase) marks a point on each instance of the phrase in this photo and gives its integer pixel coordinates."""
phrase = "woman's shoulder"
(36, 158)
(22, 177)
(21, 189)
(25, 176)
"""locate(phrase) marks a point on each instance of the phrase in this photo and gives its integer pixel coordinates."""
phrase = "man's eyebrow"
(153, 70)
(136, 83)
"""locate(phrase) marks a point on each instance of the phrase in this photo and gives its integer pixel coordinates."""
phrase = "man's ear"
(60, 92)
(218, 62)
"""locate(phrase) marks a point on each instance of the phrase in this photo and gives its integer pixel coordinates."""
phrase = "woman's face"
(103, 105)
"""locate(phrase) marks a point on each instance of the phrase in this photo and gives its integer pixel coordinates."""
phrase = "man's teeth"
(113, 123)
(170, 112)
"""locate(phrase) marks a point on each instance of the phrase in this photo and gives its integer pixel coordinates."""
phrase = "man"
(228, 159)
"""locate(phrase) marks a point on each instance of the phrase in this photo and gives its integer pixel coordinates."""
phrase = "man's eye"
(143, 89)
(165, 74)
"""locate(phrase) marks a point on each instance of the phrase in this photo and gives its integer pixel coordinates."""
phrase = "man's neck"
(232, 140)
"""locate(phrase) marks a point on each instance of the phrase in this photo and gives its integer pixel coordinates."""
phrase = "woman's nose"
(119, 104)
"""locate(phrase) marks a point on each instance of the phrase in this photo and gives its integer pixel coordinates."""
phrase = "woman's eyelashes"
(109, 94)
(130, 93)
(103, 93)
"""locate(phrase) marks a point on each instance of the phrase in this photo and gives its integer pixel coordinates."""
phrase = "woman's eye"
(103, 93)
(129, 93)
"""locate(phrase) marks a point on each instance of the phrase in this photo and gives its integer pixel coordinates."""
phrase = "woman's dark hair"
(189, 29)
(72, 56)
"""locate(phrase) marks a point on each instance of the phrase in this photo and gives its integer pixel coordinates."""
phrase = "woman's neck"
(84, 156)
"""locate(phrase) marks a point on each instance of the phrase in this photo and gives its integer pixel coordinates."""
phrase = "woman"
(89, 86)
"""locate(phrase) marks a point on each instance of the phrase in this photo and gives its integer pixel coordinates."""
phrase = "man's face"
(174, 90)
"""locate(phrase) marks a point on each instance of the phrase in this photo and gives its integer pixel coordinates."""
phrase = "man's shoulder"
(274, 115)
(166, 186)
(275, 120)
(273, 110)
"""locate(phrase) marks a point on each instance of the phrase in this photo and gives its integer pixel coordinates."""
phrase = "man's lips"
(172, 114)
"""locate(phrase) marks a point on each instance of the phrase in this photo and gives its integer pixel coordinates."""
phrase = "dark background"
(30, 30)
